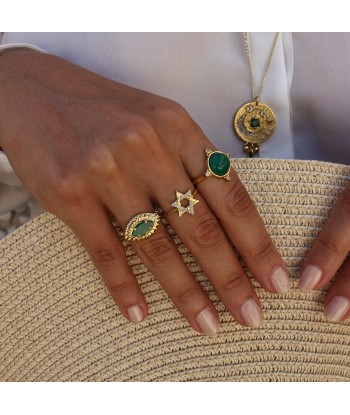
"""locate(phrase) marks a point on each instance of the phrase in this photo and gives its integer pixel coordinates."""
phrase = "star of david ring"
(218, 165)
(178, 205)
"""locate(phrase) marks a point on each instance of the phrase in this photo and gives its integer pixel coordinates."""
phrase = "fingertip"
(208, 322)
(337, 308)
(135, 314)
(309, 278)
(251, 313)
(280, 281)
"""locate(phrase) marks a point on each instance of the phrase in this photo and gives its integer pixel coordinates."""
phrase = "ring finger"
(161, 256)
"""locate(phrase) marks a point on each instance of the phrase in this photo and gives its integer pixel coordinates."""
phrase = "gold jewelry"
(255, 122)
(218, 165)
(183, 209)
(141, 226)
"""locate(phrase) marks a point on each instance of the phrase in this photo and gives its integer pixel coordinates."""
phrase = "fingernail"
(251, 313)
(280, 281)
(208, 322)
(135, 314)
(337, 308)
(309, 278)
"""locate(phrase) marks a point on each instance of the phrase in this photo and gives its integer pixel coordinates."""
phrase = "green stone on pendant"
(142, 228)
(219, 163)
(254, 123)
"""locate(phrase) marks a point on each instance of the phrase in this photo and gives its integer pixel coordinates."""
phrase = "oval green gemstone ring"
(141, 226)
(218, 165)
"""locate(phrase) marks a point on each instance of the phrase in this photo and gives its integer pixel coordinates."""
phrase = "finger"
(237, 214)
(205, 238)
(337, 302)
(102, 243)
(330, 248)
(161, 256)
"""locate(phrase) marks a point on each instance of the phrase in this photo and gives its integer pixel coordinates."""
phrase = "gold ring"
(218, 165)
(184, 209)
(141, 226)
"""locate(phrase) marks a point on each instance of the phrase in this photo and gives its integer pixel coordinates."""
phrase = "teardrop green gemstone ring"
(141, 226)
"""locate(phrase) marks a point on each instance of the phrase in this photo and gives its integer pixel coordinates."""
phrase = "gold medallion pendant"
(254, 123)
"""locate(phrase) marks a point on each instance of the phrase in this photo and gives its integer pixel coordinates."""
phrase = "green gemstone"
(219, 164)
(142, 228)
(254, 123)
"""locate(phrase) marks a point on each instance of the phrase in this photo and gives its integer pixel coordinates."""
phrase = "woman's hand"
(325, 258)
(86, 146)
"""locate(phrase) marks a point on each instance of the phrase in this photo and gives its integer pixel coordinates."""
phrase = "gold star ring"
(178, 205)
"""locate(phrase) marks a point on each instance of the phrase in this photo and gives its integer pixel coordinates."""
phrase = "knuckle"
(206, 231)
(237, 201)
(106, 256)
(70, 190)
(173, 110)
(100, 161)
(158, 250)
(262, 250)
(137, 133)
(120, 288)
(178, 118)
(232, 282)
(329, 246)
(187, 295)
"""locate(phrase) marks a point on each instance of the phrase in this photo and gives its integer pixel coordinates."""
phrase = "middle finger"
(205, 238)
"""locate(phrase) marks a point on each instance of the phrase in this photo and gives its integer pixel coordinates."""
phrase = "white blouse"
(208, 73)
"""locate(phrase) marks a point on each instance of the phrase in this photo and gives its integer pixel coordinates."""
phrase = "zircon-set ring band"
(218, 165)
(178, 205)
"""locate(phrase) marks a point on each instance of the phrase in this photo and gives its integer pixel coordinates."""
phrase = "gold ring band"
(199, 178)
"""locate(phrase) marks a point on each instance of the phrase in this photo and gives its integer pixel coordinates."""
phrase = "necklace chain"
(256, 96)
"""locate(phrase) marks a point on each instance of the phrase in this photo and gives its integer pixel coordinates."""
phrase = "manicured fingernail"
(135, 314)
(337, 308)
(251, 313)
(309, 278)
(208, 322)
(280, 281)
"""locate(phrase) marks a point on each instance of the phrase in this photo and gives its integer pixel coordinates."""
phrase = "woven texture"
(58, 322)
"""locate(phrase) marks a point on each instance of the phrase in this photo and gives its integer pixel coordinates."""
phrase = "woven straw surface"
(58, 323)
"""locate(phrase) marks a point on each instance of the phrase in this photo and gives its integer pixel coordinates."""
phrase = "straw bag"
(58, 322)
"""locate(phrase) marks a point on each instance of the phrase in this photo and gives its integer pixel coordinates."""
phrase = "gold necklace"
(255, 121)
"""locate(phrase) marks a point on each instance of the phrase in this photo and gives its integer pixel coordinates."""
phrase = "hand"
(325, 258)
(86, 146)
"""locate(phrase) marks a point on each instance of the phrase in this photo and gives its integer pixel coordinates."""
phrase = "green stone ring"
(218, 165)
(141, 226)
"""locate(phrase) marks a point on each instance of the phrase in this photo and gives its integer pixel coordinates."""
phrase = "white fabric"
(20, 45)
(12, 192)
(208, 73)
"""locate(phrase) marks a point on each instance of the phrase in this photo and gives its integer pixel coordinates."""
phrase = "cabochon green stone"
(142, 228)
(254, 123)
(219, 164)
